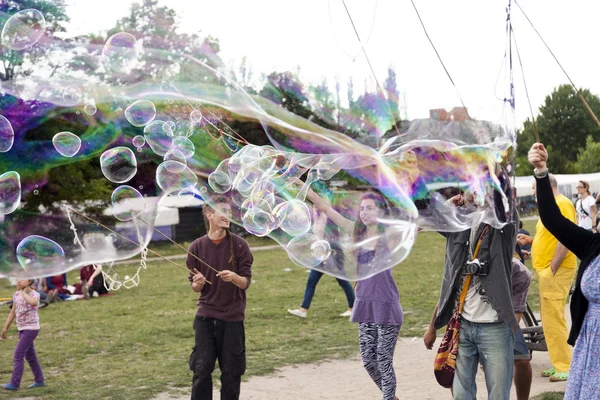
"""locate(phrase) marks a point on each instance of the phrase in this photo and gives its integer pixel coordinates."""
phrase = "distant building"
(439, 114)
(456, 114)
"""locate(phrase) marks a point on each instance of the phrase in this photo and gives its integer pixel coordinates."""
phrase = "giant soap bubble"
(312, 189)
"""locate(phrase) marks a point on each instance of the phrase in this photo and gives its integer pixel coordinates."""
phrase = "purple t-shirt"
(377, 298)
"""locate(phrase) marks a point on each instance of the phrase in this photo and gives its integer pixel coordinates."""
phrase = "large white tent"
(566, 184)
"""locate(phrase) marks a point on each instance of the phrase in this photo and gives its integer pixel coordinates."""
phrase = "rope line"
(439, 58)
(585, 103)
(379, 89)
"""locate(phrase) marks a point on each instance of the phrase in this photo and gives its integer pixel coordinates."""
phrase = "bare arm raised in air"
(345, 224)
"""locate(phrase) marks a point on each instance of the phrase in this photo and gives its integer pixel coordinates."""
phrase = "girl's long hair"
(586, 186)
(360, 229)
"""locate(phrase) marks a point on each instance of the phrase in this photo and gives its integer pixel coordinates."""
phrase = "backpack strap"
(580, 202)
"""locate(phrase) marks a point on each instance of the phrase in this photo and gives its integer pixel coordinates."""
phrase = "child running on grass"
(25, 311)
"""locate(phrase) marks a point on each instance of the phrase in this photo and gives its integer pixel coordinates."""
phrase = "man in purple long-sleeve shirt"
(219, 321)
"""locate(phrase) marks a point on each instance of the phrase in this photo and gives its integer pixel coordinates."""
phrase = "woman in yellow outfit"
(555, 267)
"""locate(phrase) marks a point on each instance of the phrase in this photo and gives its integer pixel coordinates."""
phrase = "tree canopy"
(564, 125)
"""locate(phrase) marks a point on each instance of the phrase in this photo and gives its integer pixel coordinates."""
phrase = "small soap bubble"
(118, 164)
(23, 29)
(140, 113)
(66, 143)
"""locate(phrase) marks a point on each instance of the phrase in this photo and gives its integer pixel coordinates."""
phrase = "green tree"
(166, 50)
(350, 92)
(285, 89)
(563, 125)
(525, 139)
(245, 76)
(390, 87)
(325, 105)
(588, 158)
(12, 61)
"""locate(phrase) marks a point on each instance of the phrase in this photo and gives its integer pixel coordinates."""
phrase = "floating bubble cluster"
(327, 196)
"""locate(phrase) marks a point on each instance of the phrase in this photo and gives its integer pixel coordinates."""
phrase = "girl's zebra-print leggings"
(377, 344)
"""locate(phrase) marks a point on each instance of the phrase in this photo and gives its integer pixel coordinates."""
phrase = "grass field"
(136, 343)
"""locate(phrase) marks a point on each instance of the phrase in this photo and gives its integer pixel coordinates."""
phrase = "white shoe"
(298, 313)
(346, 313)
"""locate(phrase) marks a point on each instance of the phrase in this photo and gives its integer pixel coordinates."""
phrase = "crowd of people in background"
(56, 288)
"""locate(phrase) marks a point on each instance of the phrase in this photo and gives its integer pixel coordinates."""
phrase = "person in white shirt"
(585, 207)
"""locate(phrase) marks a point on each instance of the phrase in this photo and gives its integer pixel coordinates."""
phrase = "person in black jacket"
(584, 376)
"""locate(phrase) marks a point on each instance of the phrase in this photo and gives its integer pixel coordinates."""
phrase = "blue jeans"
(311, 285)
(521, 351)
(493, 345)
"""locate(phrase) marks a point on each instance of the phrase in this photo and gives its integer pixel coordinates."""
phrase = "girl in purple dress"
(377, 306)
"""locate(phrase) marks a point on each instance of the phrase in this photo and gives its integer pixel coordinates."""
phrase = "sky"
(316, 37)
